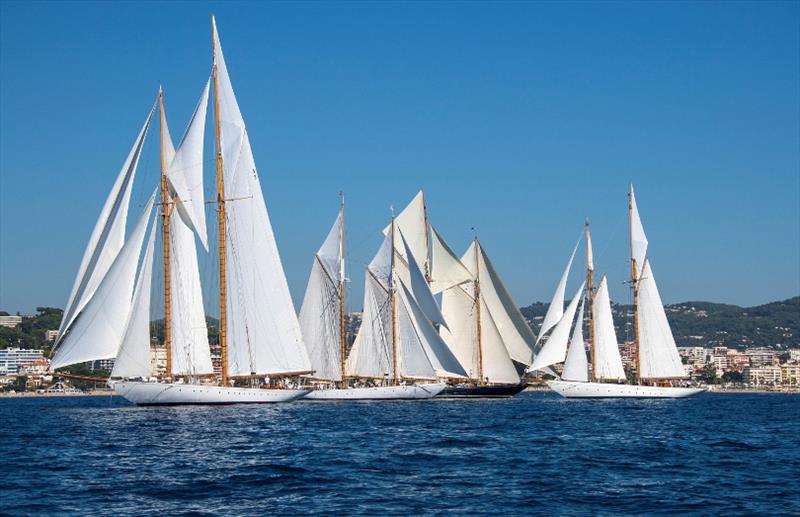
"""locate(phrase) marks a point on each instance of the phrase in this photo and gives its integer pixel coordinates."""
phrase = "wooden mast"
(428, 251)
(223, 287)
(478, 307)
(166, 211)
(635, 287)
(590, 295)
(393, 297)
(342, 331)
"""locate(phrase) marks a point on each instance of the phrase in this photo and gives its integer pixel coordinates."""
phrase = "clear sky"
(517, 118)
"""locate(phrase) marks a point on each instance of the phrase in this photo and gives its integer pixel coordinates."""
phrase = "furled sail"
(576, 367)
(514, 330)
(107, 238)
(658, 355)
(638, 237)
(446, 268)
(98, 332)
(555, 348)
(264, 334)
(556, 309)
(607, 361)
(133, 358)
(413, 224)
(320, 315)
(185, 172)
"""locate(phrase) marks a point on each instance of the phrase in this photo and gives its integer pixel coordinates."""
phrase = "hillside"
(773, 325)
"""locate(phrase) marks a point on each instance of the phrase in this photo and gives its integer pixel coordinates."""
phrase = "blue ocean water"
(718, 454)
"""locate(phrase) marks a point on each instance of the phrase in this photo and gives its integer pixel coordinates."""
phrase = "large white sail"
(98, 331)
(107, 238)
(264, 334)
(320, 315)
(517, 335)
(371, 354)
(658, 355)
(447, 270)
(576, 366)
(419, 287)
(556, 308)
(482, 355)
(185, 172)
(412, 223)
(638, 237)
(411, 347)
(189, 349)
(444, 363)
(133, 358)
(607, 361)
(555, 348)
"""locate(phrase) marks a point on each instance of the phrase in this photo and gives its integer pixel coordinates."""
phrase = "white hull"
(410, 392)
(601, 390)
(163, 394)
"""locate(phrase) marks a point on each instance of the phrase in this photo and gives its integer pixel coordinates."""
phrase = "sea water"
(536, 453)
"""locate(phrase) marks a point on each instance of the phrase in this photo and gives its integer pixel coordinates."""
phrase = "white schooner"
(658, 364)
(107, 315)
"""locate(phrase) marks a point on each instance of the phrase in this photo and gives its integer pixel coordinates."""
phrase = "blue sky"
(517, 118)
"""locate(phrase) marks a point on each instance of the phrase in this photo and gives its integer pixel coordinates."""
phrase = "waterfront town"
(761, 368)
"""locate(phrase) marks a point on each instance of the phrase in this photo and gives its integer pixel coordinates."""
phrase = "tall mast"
(166, 211)
(478, 308)
(342, 333)
(223, 287)
(590, 294)
(635, 287)
(428, 252)
(393, 296)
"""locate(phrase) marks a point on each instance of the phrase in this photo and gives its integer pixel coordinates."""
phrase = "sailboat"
(658, 363)
(397, 353)
(259, 342)
(460, 323)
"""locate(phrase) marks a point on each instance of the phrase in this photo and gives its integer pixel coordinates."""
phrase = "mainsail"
(446, 268)
(555, 348)
(320, 315)
(263, 332)
(190, 352)
(638, 237)
(556, 308)
(576, 367)
(658, 355)
(133, 358)
(99, 330)
(108, 236)
(607, 361)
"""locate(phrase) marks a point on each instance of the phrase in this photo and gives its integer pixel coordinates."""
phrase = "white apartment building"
(12, 358)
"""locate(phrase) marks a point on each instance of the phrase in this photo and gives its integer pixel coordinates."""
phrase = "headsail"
(98, 332)
(320, 315)
(576, 367)
(607, 361)
(556, 308)
(419, 287)
(658, 355)
(108, 236)
(555, 349)
(638, 237)
(263, 331)
(446, 269)
(133, 358)
(185, 172)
